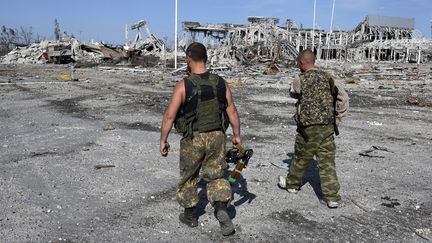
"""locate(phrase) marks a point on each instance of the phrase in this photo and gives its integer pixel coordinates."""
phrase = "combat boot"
(189, 217)
(221, 214)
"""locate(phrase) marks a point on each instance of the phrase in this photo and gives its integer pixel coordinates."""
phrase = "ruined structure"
(139, 51)
(377, 38)
(262, 40)
(380, 38)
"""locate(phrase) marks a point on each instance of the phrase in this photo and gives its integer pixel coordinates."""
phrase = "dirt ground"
(54, 134)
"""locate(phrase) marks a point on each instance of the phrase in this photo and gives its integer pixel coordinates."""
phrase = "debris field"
(80, 123)
(80, 162)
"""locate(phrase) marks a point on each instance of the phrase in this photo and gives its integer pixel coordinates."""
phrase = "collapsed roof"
(263, 39)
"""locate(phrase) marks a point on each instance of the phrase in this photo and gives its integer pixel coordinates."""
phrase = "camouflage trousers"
(320, 144)
(203, 157)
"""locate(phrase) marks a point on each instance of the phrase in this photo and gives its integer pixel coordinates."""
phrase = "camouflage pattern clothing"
(203, 156)
(342, 102)
(315, 102)
(315, 119)
(321, 143)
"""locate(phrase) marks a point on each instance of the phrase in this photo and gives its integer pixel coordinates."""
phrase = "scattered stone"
(390, 202)
(108, 128)
(371, 152)
(415, 102)
(272, 69)
(97, 167)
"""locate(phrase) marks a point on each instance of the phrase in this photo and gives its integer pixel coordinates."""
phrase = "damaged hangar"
(376, 38)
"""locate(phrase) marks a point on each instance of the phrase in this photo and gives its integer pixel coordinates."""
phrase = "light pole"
(313, 26)
(331, 30)
(175, 37)
(332, 16)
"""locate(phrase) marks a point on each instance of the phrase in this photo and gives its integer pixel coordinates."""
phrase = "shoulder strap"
(191, 89)
(214, 80)
(334, 92)
(220, 89)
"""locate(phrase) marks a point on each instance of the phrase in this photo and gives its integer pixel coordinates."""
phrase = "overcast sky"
(105, 20)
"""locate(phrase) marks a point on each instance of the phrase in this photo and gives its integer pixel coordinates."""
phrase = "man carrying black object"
(201, 107)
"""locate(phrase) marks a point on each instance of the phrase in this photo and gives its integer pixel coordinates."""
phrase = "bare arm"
(170, 115)
(233, 116)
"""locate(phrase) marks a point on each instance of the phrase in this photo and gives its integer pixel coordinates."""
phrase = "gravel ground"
(54, 134)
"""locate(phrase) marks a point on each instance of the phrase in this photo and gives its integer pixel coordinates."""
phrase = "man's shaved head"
(306, 57)
(306, 60)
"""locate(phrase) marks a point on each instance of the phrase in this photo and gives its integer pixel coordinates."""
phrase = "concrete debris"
(414, 102)
(424, 233)
(229, 44)
(24, 55)
(377, 38)
(371, 152)
(262, 40)
(61, 52)
(152, 48)
(146, 52)
(390, 202)
(108, 128)
(272, 69)
(98, 167)
(374, 123)
(67, 119)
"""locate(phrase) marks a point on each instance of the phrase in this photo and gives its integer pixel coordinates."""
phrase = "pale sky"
(105, 20)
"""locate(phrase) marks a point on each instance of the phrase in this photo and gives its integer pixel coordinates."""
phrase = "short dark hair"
(197, 52)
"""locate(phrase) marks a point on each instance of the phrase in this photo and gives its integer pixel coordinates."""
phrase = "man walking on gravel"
(201, 108)
(321, 103)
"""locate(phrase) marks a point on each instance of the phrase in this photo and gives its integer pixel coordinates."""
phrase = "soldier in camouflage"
(201, 108)
(321, 105)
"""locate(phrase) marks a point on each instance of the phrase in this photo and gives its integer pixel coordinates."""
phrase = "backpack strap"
(222, 101)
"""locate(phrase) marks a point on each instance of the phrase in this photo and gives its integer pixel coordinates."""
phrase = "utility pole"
(126, 35)
(331, 30)
(175, 37)
(332, 16)
(313, 26)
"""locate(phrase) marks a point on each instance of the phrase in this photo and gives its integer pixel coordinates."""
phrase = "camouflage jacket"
(315, 106)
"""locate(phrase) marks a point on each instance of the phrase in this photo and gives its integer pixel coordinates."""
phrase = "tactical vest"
(204, 109)
(316, 103)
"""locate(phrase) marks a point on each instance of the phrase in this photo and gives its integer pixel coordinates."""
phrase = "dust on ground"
(59, 141)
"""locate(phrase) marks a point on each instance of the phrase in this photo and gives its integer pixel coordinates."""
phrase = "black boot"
(189, 217)
(221, 213)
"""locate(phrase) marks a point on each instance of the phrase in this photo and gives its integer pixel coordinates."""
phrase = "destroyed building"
(262, 40)
(381, 38)
(377, 38)
(139, 51)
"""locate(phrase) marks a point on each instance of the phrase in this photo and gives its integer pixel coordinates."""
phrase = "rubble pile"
(144, 51)
(263, 40)
(24, 55)
(260, 41)
(377, 38)
(58, 52)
